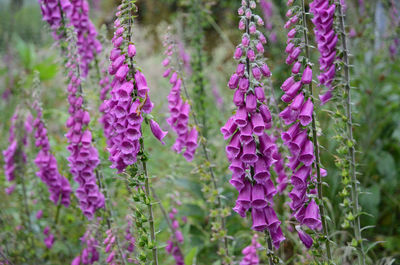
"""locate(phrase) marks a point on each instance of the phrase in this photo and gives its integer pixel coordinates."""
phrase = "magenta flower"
(180, 109)
(55, 12)
(87, 44)
(177, 238)
(39, 214)
(299, 114)
(83, 157)
(129, 238)
(305, 238)
(10, 154)
(49, 237)
(58, 185)
(129, 102)
(9, 190)
(326, 40)
(157, 132)
(89, 253)
(250, 253)
(250, 150)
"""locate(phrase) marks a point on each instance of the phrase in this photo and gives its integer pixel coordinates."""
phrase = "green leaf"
(191, 256)
(46, 69)
(26, 53)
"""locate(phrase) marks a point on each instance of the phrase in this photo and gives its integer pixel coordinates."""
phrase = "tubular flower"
(83, 157)
(179, 108)
(125, 110)
(267, 8)
(56, 12)
(106, 118)
(87, 43)
(298, 114)
(89, 253)
(58, 185)
(130, 239)
(53, 12)
(326, 40)
(105, 85)
(171, 247)
(279, 168)
(10, 154)
(250, 149)
(109, 243)
(250, 252)
(49, 237)
(14, 155)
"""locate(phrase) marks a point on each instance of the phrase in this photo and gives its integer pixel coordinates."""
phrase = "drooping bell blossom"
(305, 238)
(298, 115)
(279, 167)
(14, 155)
(177, 238)
(130, 240)
(75, 13)
(9, 190)
(326, 38)
(250, 252)
(129, 102)
(251, 151)
(89, 253)
(109, 245)
(83, 157)
(58, 185)
(106, 118)
(10, 154)
(54, 12)
(157, 131)
(87, 43)
(39, 214)
(49, 237)
(105, 85)
(187, 140)
(267, 8)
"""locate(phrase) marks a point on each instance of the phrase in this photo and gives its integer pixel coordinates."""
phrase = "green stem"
(354, 182)
(26, 207)
(269, 245)
(198, 40)
(149, 208)
(316, 145)
(109, 212)
(203, 143)
(57, 215)
(164, 212)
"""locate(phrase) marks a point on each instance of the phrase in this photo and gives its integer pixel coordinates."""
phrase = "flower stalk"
(177, 123)
(315, 142)
(349, 123)
(204, 148)
(149, 203)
